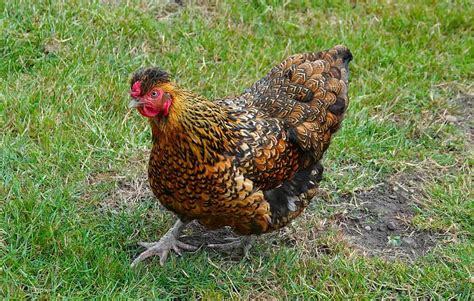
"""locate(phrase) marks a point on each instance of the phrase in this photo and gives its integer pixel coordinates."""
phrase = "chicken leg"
(168, 242)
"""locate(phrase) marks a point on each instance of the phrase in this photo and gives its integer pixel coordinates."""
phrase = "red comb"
(136, 89)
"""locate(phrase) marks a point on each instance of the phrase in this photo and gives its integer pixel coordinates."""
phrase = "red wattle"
(148, 110)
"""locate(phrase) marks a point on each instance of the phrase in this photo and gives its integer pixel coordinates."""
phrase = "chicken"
(251, 162)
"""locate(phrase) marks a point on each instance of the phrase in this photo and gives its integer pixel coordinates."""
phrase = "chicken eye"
(154, 94)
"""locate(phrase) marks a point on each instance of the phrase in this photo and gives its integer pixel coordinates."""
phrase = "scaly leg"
(244, 242)
(162, 248)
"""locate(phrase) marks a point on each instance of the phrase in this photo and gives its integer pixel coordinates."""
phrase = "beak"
(134, 104)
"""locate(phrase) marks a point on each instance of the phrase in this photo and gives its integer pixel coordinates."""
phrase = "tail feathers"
(308, 92)
(326, 74)
(318, 79)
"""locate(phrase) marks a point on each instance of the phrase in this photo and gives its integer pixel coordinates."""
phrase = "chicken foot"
(168, 242)
(244, 242)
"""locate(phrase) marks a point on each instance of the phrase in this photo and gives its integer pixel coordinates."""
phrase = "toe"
(185, 246)
(146, 244)
(163, 257)
(143, 256)
(177, 250)
(224, 246)
(247, 248)
(231, 238)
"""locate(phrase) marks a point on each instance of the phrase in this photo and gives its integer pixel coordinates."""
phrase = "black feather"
(149, 77)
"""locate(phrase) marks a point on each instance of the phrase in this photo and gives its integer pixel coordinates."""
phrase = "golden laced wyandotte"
(251, 162)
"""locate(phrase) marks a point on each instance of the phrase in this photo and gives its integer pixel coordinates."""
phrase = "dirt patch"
(130, 193)
(117, 193)
(378, 221)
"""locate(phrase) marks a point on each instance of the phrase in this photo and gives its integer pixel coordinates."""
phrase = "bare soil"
(380, 224)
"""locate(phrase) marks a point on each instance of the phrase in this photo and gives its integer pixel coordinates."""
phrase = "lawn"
(74, 198)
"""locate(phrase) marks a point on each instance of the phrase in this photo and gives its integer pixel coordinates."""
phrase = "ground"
(393, 219)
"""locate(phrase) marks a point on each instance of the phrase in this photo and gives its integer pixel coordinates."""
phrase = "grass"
(68, 142)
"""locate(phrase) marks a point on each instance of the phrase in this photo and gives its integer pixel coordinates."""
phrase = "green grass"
(64, 71)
